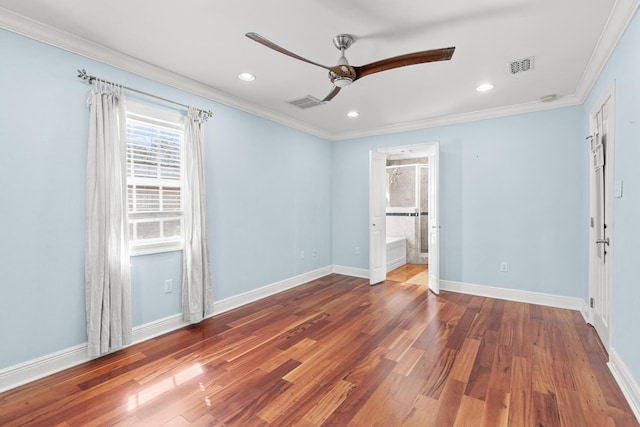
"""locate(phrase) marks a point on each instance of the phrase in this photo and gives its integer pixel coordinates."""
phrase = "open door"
(434, 218)
(377, 218)
(601, 194)
(377, 208)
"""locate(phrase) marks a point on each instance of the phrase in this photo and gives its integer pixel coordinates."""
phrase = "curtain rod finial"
(82, 74)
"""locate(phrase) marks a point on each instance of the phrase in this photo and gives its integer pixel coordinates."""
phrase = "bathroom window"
(154, 178)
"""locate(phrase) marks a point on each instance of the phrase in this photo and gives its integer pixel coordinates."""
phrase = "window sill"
(155, 248)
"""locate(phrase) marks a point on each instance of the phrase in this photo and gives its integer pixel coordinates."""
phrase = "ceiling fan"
(343, 74)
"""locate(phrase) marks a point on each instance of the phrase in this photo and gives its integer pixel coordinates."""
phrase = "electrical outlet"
(168, 286)
(504, 267)
(357, 250)
(301, 254)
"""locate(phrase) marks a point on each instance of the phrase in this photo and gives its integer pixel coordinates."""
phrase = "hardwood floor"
(339, 352)
(418, 274)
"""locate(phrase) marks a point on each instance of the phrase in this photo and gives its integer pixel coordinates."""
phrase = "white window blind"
(154, 178)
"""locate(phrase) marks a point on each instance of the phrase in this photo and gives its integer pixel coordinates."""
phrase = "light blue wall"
(511, 189)
(268, 190)
(624, 68)
(268, 196)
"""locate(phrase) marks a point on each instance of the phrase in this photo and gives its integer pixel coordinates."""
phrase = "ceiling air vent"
(521, 65)
(306, 102)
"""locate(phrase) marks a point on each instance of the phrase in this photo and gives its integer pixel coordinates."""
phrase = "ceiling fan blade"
(258, 38)
(332, 94)
(444, 54)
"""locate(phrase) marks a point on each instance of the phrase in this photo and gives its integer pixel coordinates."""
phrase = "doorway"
(407, 221)
(404, 211)
(601, 197)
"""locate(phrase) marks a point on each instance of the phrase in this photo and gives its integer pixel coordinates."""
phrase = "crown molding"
(44, 33)
(621, 15)
(619, 19)
(493, 113)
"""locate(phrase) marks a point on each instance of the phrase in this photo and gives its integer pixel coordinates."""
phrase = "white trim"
(362, 273)
(377, 217)
(608, 97)
(492, 113)
(156, 248)
(621, 15)
(39, 31)
(396, 263)
(157, 327)
(550, 300)
(626, 382)
(529, 297)
(256, 294)
(34, 369)
(619, 19)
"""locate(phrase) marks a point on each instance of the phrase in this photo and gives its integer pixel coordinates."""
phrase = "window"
(154, 179)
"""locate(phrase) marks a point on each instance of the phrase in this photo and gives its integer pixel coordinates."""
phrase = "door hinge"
(591, 302)
(592, 222)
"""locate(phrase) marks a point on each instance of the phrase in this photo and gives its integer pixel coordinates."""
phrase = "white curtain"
(107, 275)
(197, 294)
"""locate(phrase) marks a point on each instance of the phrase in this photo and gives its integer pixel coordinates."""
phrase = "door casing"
(432, 151)
(601, 273)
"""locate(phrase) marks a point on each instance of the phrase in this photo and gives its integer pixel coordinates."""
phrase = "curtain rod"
(82, 74)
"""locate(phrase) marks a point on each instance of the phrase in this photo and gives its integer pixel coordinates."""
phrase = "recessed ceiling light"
(353, 114)
(246, 77)
(484, 87)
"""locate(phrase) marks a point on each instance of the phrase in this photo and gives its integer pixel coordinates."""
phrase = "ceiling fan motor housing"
(343, 41)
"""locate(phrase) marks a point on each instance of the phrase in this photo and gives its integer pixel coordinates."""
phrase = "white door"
(377, 218)
(432, 151)
(434, 218)
(601, 217)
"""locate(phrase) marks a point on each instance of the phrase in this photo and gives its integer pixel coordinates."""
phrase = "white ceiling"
(204, 41)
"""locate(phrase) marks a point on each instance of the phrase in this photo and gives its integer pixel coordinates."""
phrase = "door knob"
(605, 241)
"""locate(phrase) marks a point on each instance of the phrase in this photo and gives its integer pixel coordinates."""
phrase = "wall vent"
(521, 65)
(306, 102)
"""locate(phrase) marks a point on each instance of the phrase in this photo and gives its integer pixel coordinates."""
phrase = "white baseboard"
(351, 271)
(25, 372)
(625, 380)
(256, 294)
(623, 377)
(550, 300)
(34, 369)
(398, 262)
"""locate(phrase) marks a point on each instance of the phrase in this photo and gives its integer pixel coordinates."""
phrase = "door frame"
(430, 150)
(608, 97)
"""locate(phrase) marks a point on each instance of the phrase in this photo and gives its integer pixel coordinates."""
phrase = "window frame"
(160, 245)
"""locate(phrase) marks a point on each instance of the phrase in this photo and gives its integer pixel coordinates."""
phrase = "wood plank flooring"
(418, 274)
(339, 352)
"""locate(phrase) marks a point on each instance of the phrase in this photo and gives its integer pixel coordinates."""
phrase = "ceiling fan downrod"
(342, 42)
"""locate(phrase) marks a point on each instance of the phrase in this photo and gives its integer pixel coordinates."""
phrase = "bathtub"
(396, 252)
